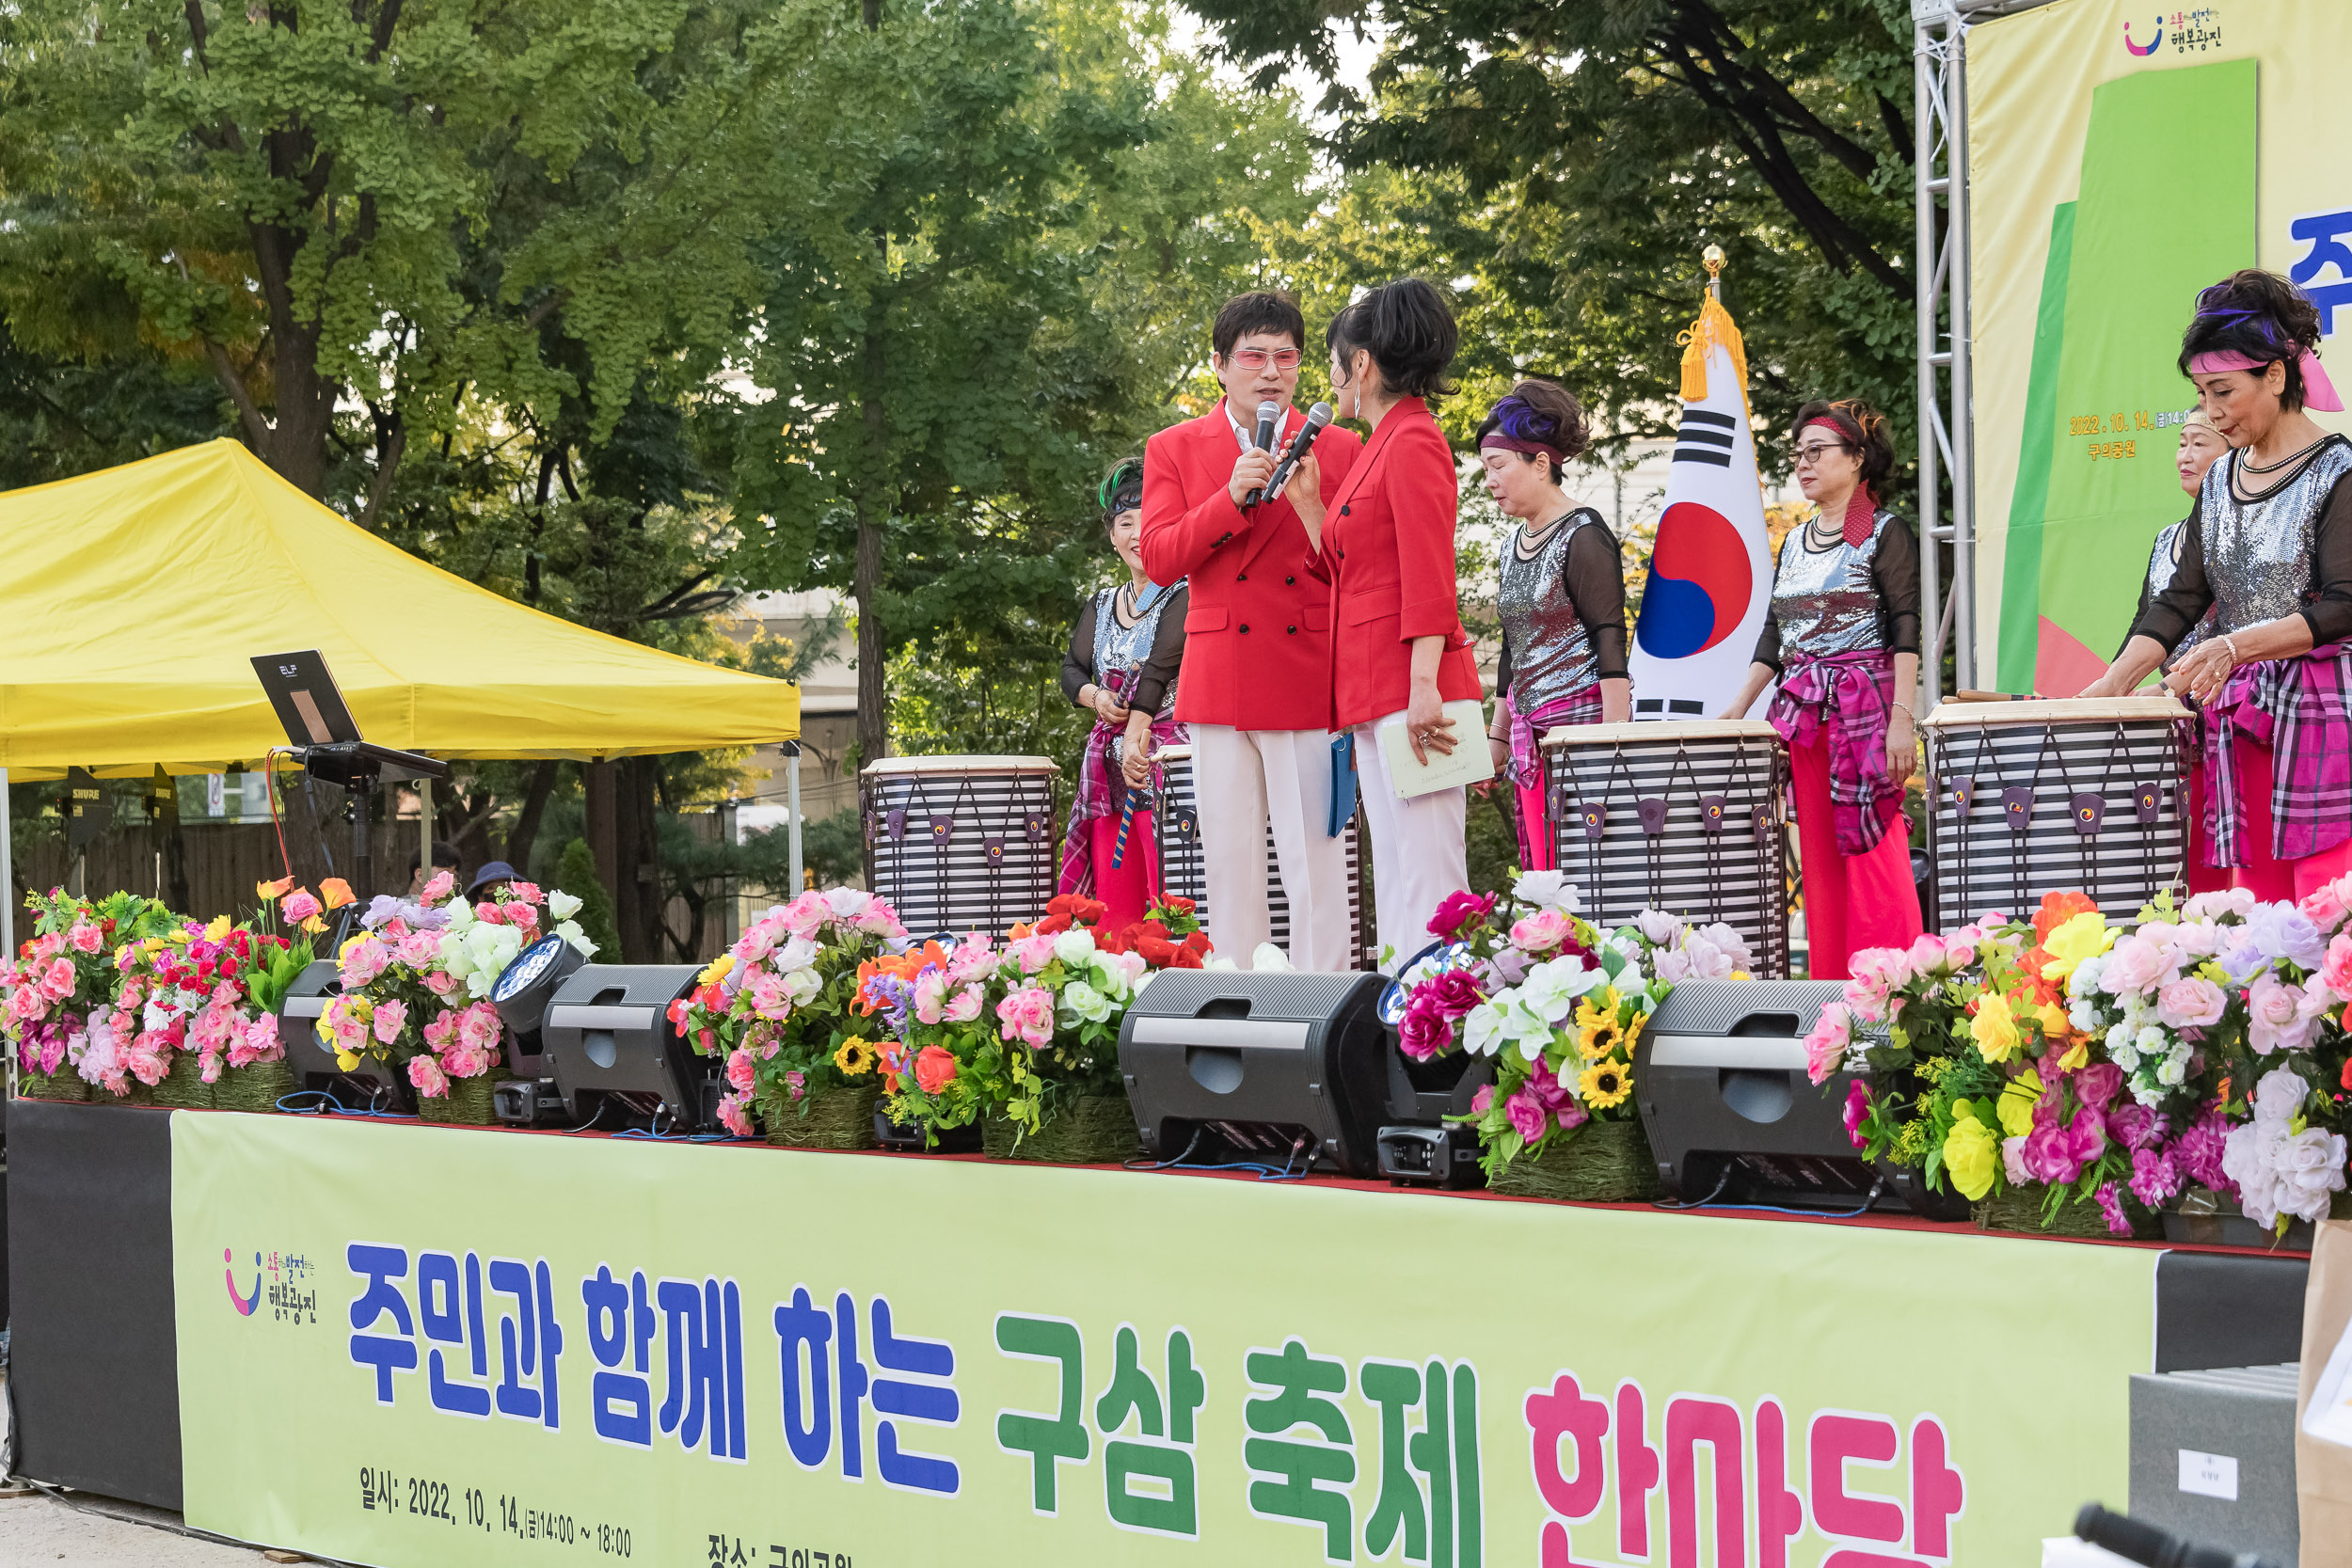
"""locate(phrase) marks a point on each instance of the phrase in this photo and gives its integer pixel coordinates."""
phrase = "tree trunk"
(599, 784)
(526, 835)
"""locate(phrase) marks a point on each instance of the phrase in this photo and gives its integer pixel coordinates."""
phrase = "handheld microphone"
(1269, 423)
(1317, 417)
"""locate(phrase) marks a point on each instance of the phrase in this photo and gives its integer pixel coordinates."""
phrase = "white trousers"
(1418, 854)
(1243, 782)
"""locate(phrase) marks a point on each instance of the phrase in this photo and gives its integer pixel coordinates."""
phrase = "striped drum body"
(2059, 796)
(1687, 816)
(962, 844)
(1176, 829)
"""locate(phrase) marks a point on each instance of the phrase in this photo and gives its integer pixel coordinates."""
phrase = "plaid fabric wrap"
(2301, 708)
(1097, 782)
(1844, 701)
(1581, 706)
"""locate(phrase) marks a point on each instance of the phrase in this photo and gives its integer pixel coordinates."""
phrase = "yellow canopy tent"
(132, 600)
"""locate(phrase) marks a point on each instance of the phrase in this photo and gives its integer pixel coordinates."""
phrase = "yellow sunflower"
(855, 1058)
(1605, 1084)
(1597, 1031)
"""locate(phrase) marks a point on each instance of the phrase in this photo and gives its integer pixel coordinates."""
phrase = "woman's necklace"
(1531, 540)
(2248, 465)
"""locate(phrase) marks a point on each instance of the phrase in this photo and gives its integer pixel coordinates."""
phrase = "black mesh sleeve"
(1768, 641)
(2186, 597)
(2329, 615)
(1503, 662)
(1077, 661)
(1895, 572)
(1594, 578)
(1158, 672)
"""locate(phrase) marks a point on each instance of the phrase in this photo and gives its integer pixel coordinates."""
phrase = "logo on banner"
(2199, 29)
(247, 1302)
(290, 1294)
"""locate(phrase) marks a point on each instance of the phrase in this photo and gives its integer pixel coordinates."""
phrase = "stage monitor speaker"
(1274, 1069)
(369, 1085)
(608, 1040)
(521, 996)
(1719, 1082)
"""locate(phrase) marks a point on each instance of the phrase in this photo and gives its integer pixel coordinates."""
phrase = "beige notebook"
(1468, 764)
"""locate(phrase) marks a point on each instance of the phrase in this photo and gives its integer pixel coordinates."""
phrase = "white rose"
(2278, 1096)
(2311, 1168)
(1073, 947)
(1083, 1001)
(1658, 925)
(563, 905)
(1483, 1029)
(1270, 959)
(1545, 890)
(569, 930)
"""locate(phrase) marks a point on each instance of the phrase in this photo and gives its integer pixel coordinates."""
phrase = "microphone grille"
(1269, 409)
(1319, 415)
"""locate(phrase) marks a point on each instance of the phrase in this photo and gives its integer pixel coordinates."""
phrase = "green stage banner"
(420, 1346)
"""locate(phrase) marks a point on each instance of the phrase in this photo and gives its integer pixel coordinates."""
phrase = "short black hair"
(444, 853)
(1860, 427)
(1407, 331)
(1262, 311)
(2259, 316)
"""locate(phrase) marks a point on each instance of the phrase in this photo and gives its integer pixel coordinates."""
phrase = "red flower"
(1052, 925)
(2346, 1079)
(934, 1068)
(1178, 903)
(2056, 910)
(677, 1013)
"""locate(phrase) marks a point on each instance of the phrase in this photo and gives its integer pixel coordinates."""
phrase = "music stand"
(325, 738)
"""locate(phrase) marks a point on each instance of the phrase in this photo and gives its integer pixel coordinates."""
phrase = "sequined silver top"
(1125, 648)
(2258, 553)
(1551, 654)
(2164, 559)
(1826, 601)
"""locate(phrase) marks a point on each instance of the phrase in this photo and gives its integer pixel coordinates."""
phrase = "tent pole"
(424, 837)
(792, 801)
(7, 878)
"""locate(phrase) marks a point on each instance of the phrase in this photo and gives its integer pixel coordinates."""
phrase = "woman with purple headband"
(2268, 549)
(1562, 599)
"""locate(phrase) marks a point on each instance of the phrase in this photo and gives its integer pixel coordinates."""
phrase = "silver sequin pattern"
(2258, 554)
(1551, 654)
(1824, 600)
(2162, 563)
(1125, 648)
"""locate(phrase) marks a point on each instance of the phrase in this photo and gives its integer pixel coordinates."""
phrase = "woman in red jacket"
(1386, 546)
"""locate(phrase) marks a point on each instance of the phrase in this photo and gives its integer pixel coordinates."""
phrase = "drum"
(1176, 830)
(962, 844)
(1684, 816)
(2056, 796)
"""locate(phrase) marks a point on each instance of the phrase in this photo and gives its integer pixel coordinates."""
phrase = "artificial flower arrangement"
(195, 1009)
(2071, 1063)
(780, 1007)
(1024, 1035)
(63, 978)
(417, 980)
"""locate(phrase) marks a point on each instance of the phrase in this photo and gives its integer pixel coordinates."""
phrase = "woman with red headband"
(1843, 636)
(1561, 599)
(2268, 549)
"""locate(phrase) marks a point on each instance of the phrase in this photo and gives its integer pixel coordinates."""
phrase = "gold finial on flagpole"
(1713, 256)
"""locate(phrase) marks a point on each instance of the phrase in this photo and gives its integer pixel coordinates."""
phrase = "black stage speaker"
(370, 1086)
(614, 1052)
(523, 991)
(1275, 1068)
(1718, 1078)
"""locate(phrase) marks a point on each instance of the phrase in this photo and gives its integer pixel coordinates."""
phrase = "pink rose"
(740, 1070)
(965, 1006)
(1928, 953)
(1458, 909)
(208, 1067)
(1033, 952)
(478, 1027)
(390, 1018)
(931, 996)
(1453, 994)
(1857, 1110)
(365, 961)
(1483, 1100)
(47, 946)
(442, 1030)
(1878, 973)
(2136, 967)
(527, 892)
(521, 915)
(971, 961)
(2325, 908)
(489, 914)
(1424, 1032)
(758, 942)
(442, 884)
(342, 1022)
(2013, 1161)
(1027, 1014)
(2055, 1153)
(463, 1061)
(2282, 1017)
(419, 949)
(57, 982)
(2192, 1002)
(1541, 931)
(805, 915)
(257, 1041)
(1528, 1116)
(426, 1077)
(442, 984)
(1825, 1047)
(2335, 971)
(733, 1116)
(148, 1057)
(86, 938)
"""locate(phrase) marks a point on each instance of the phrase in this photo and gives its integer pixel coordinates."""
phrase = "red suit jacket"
(1257, 641)
(1387, 553)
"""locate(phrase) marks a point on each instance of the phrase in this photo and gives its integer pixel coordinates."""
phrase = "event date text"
(380, 1491)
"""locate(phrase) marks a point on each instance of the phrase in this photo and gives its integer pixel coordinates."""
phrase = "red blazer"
(1257, 641)
(1387, 553)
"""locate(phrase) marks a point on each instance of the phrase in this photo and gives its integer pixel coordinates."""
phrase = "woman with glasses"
(1385, 544)
(1842, 636)
(2268, 551)
(1561, 599)
(1121, 666)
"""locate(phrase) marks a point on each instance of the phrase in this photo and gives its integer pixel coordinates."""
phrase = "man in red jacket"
(1257, 642)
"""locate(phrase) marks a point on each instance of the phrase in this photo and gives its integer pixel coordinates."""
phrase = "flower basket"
(64, 1084)
(1602, 1161)
(1088, 1129)
(2021, 1210)
(183, 1086)
(257, 1087)
(2202, 1218)
(467, 1104)
(827, 1118)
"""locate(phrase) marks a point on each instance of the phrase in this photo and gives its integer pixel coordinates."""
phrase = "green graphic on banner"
(2021, 635)
(2146, 236)
(415, 1346)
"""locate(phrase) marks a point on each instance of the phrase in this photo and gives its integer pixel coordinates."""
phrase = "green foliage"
(576, 873)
